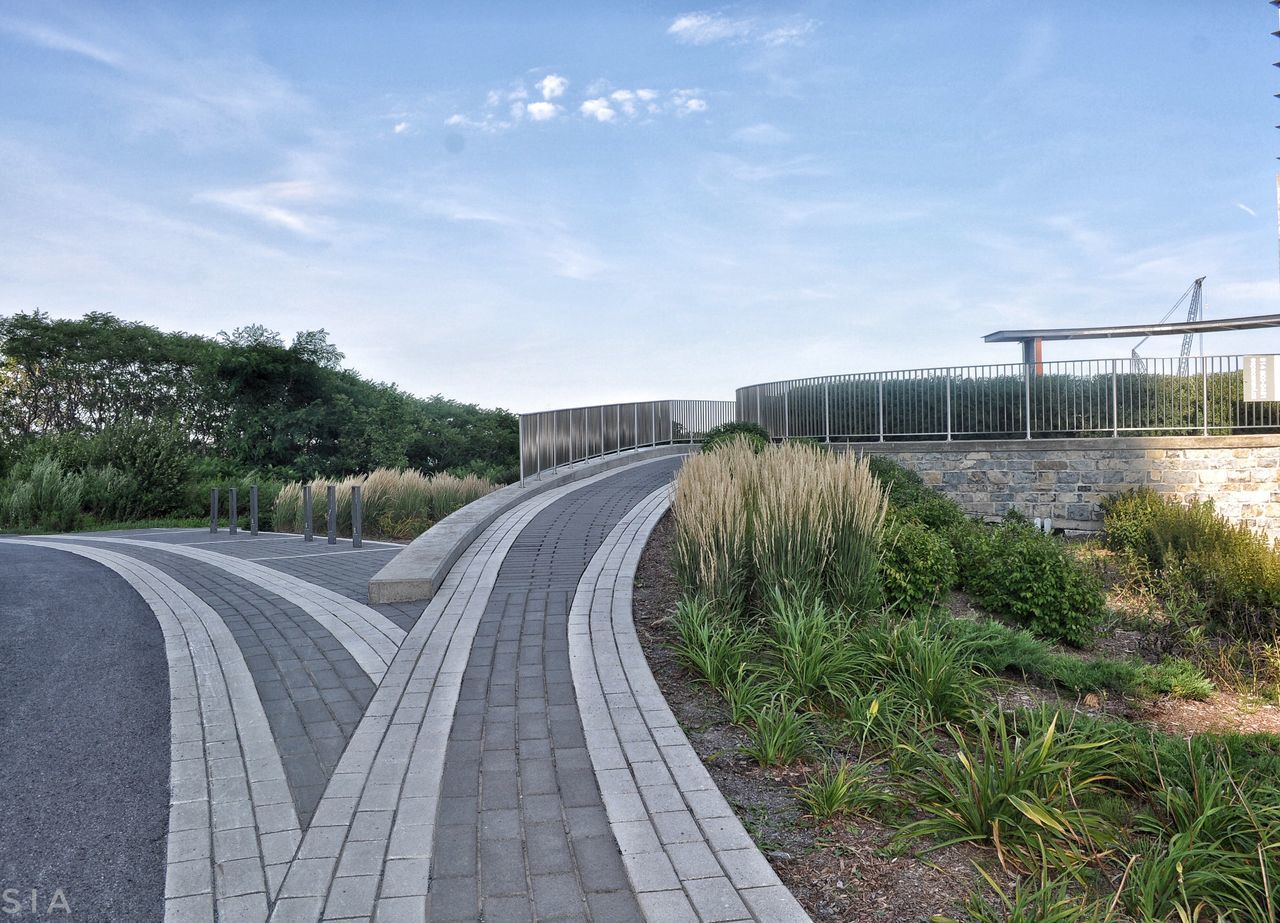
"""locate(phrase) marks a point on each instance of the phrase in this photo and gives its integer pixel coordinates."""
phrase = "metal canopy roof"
(1254, 322)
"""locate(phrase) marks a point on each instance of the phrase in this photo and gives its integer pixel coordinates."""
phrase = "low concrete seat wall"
(417, 572)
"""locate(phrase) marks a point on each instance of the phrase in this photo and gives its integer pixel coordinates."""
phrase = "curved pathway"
(501, 754)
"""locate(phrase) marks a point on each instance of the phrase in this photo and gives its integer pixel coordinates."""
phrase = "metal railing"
(563, 437)
(1095, 397)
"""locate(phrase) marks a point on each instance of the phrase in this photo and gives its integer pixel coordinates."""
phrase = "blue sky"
(537, 205)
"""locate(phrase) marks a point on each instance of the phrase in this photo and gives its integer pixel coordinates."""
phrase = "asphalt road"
(84, 742)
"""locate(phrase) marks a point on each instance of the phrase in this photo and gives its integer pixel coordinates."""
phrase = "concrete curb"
(418, 571)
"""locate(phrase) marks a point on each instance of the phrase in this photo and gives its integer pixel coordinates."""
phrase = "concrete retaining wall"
(417, 572)
(1066, 478)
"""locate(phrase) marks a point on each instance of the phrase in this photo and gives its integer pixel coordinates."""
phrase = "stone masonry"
(1067, 478)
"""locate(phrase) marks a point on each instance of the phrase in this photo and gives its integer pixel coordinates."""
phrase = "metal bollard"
(331, 497)
(213, 510)
(253, 510)
(356, 513)
(306, 513)
(233, 511)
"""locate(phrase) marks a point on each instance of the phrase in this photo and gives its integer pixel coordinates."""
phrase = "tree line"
(100, 391)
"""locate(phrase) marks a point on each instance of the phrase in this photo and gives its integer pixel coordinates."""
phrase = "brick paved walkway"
(332, 760)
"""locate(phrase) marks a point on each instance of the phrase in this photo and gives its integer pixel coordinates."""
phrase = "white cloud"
(687, 102)
(761, 133)
(401, 127)
(457, 119)
(552, 86)
(542, 112)
(626, 101)
(281, 204)
(704, 28)
(646, 94)
(1246, 208)
(598, 109)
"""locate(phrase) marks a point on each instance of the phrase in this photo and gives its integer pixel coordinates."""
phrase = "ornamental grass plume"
(793, 519)
(397, 504)
(712, 507)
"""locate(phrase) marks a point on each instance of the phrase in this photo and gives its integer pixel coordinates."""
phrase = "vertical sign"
(1260, 378)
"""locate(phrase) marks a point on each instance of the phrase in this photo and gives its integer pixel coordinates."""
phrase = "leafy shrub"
(912, 498)
(1017, 571)
(917, 567)
(1177, 677)
(1231, 570)
(752, 434)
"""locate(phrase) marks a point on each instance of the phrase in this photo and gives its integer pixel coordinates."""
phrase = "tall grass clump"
(790, 518)
(712, 503)
(397, 504)
(1233, 571)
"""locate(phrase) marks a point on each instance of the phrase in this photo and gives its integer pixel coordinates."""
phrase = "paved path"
(501, 754)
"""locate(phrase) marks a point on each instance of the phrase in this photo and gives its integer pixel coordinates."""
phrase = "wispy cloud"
(56, 40)
(289, 205)
(601, 102)
(761, 133)
(1246, 209)
(708, 28)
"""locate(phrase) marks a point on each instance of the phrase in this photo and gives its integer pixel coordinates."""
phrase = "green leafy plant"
(711, 645)
(807, 641)
(1038, 898)
(781, 734)
(1017, 792)
(1019, 572)
(927, 669)
(917, 567)
(844, 788)
(754, 435)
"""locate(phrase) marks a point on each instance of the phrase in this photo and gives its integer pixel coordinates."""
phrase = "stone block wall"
(1066, 478)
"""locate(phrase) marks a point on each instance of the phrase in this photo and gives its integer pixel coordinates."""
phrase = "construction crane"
(1195, 292)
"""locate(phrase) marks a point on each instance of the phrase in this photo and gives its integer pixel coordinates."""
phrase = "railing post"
(357, 512)
(826, 410)
(213, 510)
(520, 425)
(653, 423)
(635, 431)
(234, 514)
(759, 421)
(331, 499)
(671, 422)
(1026, 390)
(1115, 400)
(253, 510)
(308, 532)
(786, 413)
(1204, 391)
(880, 404)
(948, 405)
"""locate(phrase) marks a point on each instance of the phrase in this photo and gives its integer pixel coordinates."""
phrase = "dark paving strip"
(522, 833)
(348, 574)
(312, 690)
(84, 721)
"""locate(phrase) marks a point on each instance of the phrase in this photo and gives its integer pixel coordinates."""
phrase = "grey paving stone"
(716, 900)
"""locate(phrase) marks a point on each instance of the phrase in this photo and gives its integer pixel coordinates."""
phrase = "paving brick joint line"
(502, 754)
